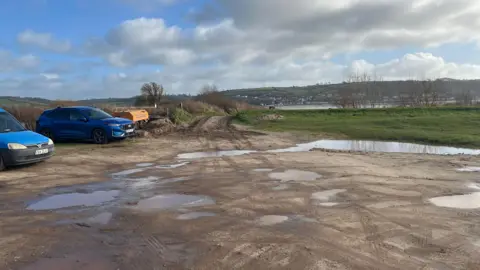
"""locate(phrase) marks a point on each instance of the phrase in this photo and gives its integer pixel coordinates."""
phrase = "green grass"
(455, 126)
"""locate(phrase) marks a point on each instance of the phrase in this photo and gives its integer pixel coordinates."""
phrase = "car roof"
(77, 107)
(2, 110)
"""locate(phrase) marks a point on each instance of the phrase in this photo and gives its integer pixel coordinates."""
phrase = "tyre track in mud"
(240, 142)
(155, 248)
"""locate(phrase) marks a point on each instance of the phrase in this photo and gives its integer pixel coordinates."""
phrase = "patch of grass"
(181, 116)
(456, 126)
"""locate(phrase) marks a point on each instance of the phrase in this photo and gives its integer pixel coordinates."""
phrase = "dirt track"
(382, 218)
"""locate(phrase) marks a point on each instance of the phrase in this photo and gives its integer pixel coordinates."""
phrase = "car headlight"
(16, 146)
(50, 142)
(113, 125)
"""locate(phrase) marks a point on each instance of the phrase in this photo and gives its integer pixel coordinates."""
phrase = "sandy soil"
(330, 210)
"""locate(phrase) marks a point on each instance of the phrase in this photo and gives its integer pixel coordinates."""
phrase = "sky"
(77, 49)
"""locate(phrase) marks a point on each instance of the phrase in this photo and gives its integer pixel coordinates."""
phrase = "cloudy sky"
(72, 49)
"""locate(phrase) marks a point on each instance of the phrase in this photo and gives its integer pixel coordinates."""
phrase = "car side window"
(76, 116)
(59, 114)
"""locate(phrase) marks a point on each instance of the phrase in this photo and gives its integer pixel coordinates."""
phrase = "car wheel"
(99, 136)
(47, 133)
(2, 164)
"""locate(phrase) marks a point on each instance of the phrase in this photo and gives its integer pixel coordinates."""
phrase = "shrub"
(199, 107)
(218, 99)
(179, 116)
(26, 115)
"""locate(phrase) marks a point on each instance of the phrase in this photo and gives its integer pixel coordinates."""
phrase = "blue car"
(20, 146)
(83, 123)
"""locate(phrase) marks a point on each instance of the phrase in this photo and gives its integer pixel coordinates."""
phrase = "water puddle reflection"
(228, 153)
(327, 204)
(172, 201)
(474, 186)
(142, 183)
(172, 166)
(195, 215)
(271, 220)
(326, 194)
(469, 169)
(102, 219)
(294, 175)
(378, 146)
(142, 165)
(128, 172)
(467, 201)
(174, 180)
(262, 170)
(74, 199)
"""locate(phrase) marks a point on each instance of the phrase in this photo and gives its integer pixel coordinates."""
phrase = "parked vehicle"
(83, 123)
(20, 146)
(139, 117)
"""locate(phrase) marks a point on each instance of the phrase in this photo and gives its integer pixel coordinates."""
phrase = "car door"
(78, 125)
(60, 119)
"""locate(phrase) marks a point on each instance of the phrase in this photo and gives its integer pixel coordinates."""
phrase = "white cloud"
(11, 63)
(45, 41)
(251, 43)
(50, 76)
(282, 72)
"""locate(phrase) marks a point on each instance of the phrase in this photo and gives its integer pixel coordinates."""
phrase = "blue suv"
(83, 123)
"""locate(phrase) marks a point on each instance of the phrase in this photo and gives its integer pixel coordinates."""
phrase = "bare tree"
(466, 97)
(360, 90)
(208, 88)
(152, 92)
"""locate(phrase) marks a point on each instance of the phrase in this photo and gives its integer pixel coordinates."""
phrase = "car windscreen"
(9, 124)
(96, 114)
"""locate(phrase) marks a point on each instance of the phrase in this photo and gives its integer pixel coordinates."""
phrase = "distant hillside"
(325, 93)
(388, 91)
(40, 102)
(23, 101)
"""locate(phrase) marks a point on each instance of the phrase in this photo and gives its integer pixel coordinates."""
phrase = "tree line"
(367, 91)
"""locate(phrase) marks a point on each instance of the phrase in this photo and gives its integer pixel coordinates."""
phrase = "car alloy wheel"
(99, 136)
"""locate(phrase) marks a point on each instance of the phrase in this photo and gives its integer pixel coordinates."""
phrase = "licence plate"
(130, 130)
(41, 152)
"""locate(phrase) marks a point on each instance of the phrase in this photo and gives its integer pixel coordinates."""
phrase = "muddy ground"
(263, 210)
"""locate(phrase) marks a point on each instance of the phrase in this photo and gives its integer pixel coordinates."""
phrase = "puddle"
(378, 146)
(229, 153)
(145, 182)
(474, 186)
(327, 204)
(326, 194)
(271, 220)
(469, 169)
(294, 175)
(74, 199)
(172, 166)
(262, 170)
(195, 215)
(467, 201)
(102, 219)
(128, 172)
(171, 201)
(174, 180)
(281, 187)
(145, 165)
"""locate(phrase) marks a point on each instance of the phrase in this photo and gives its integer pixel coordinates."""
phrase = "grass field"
(455, 126)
